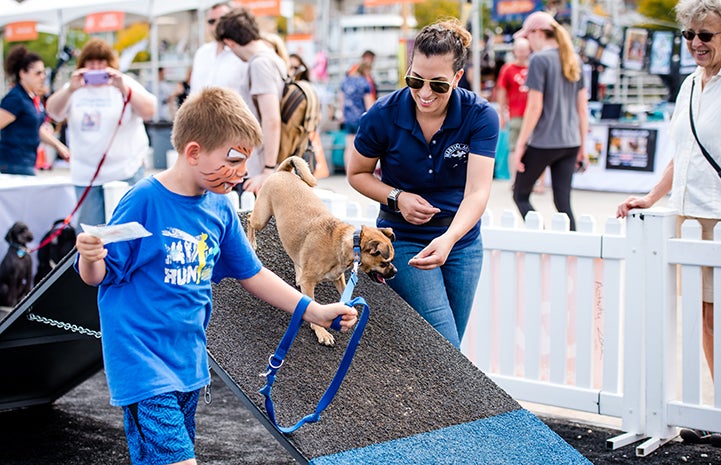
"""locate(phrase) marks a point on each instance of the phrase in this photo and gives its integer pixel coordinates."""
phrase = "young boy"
(154, 293)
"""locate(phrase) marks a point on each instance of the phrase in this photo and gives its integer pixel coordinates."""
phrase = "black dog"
(55, 250)
(16, 269)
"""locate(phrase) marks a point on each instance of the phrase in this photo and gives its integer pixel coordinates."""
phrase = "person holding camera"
(105, 111)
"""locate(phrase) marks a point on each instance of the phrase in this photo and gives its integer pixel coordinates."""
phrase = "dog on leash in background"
(55, 250)
(319, 244)
(16, 269)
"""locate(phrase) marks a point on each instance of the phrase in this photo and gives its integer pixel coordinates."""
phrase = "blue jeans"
(92, 211)
(442, 296)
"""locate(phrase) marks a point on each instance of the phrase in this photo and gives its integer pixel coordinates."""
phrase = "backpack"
(299, 119)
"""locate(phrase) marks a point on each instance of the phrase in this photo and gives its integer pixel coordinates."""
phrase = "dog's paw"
(324, 337)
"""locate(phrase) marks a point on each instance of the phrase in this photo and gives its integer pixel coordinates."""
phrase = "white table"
(35, 200)
(601, 177)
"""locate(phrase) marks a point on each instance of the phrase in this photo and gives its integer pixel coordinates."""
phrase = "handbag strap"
(705, 152)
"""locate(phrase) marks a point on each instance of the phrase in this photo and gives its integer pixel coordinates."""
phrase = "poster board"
(661, 52)
(634, 48)
(631, 148)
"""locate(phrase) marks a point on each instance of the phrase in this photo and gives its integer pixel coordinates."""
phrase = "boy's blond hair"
(215, 117)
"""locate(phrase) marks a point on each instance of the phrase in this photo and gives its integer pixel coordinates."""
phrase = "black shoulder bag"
(693, 129)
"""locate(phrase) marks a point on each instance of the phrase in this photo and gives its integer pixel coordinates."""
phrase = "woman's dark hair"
(444, 37)
(19, 59)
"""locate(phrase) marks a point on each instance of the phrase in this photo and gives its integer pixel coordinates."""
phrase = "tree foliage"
(430, 11)
(658, 9)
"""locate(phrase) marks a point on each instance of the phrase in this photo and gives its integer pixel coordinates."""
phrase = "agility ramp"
(409, 396)
(50, 341)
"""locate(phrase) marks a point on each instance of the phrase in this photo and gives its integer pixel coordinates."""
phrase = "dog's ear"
(376, 248)
(389, 233)
(14, 232)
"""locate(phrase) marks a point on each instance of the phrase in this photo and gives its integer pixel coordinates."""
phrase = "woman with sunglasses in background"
(436, 144)
(555, 121)
(22, 115)
(691, 178)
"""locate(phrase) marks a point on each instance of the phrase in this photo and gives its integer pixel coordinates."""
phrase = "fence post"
(659, 225)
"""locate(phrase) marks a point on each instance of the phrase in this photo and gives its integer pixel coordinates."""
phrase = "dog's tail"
(301, 168)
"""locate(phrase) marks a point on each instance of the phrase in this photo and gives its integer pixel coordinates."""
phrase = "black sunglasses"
(702, 36)
(440, 87)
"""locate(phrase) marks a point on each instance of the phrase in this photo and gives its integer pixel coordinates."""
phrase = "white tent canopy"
(57, 14)
(62, 12)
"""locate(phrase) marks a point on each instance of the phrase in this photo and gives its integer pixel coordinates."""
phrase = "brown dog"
(320, 245)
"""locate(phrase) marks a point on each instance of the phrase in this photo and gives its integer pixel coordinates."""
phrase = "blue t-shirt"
(19, 140)
(435, 171)
(155, 301)
(354, 89)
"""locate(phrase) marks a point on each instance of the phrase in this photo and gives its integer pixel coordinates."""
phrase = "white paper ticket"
(117, 232)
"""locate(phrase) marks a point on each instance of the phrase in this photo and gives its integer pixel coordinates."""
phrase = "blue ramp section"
(513, 438)
(409, 396)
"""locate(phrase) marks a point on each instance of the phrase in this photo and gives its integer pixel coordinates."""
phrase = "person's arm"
(475, 199)
(47, 136)
(270, 288)
(502, 99)
(534, 108)
(5, 118)
(269, 110)
(414, 208)
(142, 102)
(91, 264)
(662, 187)
(57, 104)
(368, 100)
(582, 107)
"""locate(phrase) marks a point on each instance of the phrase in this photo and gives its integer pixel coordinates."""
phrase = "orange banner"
(104, 22)
(514, 7)
(21, 31)
(262, 7)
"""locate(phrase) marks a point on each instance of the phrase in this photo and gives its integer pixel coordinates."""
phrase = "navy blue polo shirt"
(19, 140)
(436, 170)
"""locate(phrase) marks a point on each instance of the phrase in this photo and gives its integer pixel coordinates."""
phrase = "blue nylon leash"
(275, 361)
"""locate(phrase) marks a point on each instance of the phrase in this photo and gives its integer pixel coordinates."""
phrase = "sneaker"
(715, 439)
(696, 436)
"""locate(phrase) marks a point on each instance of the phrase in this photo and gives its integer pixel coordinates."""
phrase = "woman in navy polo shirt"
(436, 144)
(22, 115)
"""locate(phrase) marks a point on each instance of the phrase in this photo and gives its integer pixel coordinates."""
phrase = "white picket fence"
(591, 321)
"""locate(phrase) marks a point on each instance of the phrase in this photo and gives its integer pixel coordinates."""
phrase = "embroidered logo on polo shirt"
(457, 154)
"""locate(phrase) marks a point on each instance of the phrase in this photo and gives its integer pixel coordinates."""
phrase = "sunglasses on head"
(702, 36)
(440, 87)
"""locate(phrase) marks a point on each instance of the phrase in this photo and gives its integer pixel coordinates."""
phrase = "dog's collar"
(356, 249)
(21, 250)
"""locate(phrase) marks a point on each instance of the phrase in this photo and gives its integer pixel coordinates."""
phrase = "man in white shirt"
(264, 88)
(214, 64)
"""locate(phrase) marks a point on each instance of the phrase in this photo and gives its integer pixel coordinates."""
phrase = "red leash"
(56, 232)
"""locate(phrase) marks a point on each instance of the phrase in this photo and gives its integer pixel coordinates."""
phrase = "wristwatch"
(393, 199)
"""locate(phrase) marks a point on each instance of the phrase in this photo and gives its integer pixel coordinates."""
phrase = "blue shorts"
(161, 429)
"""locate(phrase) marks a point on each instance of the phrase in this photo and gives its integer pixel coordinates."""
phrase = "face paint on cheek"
(224, 178)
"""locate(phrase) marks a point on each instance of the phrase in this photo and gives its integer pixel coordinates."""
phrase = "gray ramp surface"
(405, 379)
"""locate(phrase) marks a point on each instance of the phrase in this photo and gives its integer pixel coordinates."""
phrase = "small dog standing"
(16, 269)
(320, 245)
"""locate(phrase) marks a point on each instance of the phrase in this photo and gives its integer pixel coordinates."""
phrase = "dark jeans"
(563, 164)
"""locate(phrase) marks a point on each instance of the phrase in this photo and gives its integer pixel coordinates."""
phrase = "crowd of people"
(424, 152)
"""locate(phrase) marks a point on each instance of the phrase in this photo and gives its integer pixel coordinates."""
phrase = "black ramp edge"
(405, 378)
(44, 362)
